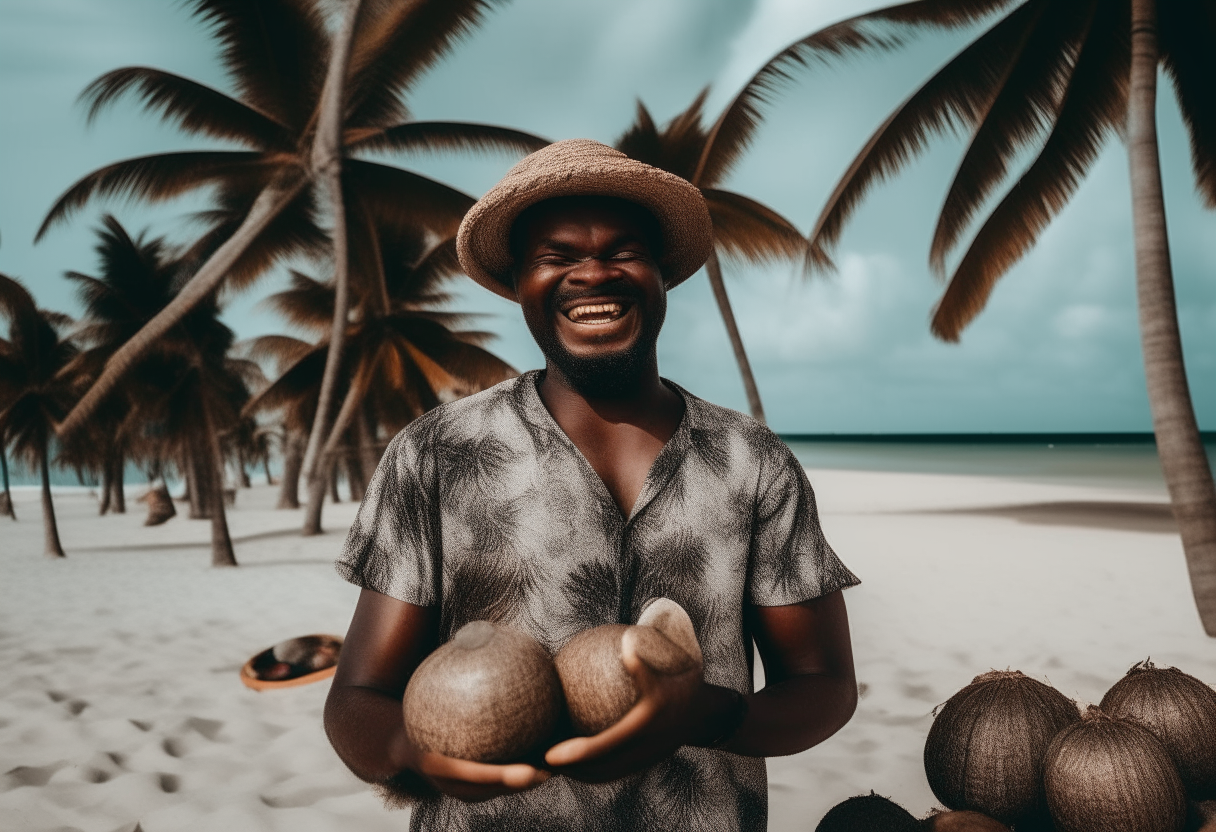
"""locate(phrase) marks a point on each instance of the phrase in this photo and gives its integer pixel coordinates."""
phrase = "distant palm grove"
(150, 375)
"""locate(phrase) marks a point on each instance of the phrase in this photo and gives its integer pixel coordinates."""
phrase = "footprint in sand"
(36, 776)
(74, 706)
(306, 789)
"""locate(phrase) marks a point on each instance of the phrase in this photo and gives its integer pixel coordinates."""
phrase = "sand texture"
(120, 702)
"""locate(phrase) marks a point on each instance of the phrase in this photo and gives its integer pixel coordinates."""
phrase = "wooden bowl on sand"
(291, 663)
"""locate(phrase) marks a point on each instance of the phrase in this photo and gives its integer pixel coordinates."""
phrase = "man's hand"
(668, 714)
(387, 640)
(470, 781)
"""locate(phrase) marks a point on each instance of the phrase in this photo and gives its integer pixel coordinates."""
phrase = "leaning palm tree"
(403, 356)
(276, 52)
(38, 388)
(744, 229)
(1059, 79)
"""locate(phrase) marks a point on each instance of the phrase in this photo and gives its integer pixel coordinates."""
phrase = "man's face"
(589, 284)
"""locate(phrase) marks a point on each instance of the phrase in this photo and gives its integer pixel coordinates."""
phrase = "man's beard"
(603, 375)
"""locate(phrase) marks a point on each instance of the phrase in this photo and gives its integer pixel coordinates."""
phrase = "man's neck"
(645, 402)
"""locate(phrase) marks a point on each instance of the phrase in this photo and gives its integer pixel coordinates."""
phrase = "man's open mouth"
(597, 313)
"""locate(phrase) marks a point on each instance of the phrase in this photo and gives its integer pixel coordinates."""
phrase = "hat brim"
(483, 242)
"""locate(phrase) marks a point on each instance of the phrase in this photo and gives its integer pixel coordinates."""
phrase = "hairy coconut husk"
(1105, 774)
(491, 694)
(964, 821)
(868, 813)
(986, 747)
(1181, 711)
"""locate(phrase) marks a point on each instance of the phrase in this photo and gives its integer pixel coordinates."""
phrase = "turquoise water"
(1126, 464)
(1122, 464)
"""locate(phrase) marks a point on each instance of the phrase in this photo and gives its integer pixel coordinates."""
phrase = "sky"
(1056, 350)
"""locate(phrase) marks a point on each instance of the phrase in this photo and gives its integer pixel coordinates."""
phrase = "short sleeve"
(790, 560)
(393, 546)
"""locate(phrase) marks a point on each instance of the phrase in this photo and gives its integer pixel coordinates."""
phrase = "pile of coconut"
(1009, 752)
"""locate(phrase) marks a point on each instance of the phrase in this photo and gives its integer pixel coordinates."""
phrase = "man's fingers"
(581, 749)
(515, 776)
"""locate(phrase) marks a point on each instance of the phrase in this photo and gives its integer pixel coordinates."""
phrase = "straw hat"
(582, 167)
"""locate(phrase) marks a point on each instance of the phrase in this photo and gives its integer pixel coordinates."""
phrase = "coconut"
(985, 748)
(1181, 711)
(1106, 774)
(491, 694)
(962, 822)
(868, 813)
(597, 687)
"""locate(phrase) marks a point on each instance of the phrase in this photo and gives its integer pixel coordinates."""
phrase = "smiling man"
(571, 497)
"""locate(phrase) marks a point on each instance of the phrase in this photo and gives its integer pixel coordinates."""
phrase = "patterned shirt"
(487, 509)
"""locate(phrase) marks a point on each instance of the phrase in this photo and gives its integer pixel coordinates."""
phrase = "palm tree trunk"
(316, 487)
(269, 204)
(334, 496)
(195, 492)
(369, 445)
(221, 542)
(107, 489)
(266, 468)
(327, 166)
(240, 461)
(293, 459)
(1183, 460)
(6, 502)
(118, 502)
(714, 269)
(54, 549)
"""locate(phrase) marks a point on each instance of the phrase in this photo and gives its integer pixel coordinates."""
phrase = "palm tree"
(402, 357)
(744, 229)
(275, 51)
(37, 386)
(1060, 78)
(165, 410)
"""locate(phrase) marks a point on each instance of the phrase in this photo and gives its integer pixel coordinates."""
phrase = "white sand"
(120, 703)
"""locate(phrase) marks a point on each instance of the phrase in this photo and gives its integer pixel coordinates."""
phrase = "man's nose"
(595, 270)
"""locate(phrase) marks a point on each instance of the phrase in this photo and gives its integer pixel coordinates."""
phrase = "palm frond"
(439, 136)
(676, 148)
(309, 303)
(282, 349)
(275, 51)
(1186, 34)
(397, 197)
(194, 107)
(436, 266)
(395, 46)
(293, 232)
(1022, 110)
(153, 178)
(733, 132)
(955, 98)
(1093, 109)
(749, 231)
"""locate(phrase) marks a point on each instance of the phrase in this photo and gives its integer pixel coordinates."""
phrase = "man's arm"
(386, 642)
(810, 692)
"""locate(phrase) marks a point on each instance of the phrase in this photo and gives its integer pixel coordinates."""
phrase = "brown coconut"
(868, 813)
(962, 822)
(1181, 711)
(986, 747)
(597, 687)
(1104, 774)
(491, 694)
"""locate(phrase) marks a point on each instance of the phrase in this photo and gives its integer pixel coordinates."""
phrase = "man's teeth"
(596, 312)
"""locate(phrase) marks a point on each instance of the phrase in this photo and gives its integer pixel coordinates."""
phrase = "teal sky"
(1056, 350)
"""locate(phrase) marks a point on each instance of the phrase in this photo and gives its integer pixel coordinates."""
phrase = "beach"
(121, 707)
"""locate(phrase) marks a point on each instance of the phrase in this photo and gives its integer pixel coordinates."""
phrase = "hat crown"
(565, 154)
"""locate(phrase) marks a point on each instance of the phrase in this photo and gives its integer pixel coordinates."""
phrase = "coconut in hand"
(598, 688)
(490, 695)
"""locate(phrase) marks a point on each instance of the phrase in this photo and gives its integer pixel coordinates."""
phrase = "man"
(569, 498)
